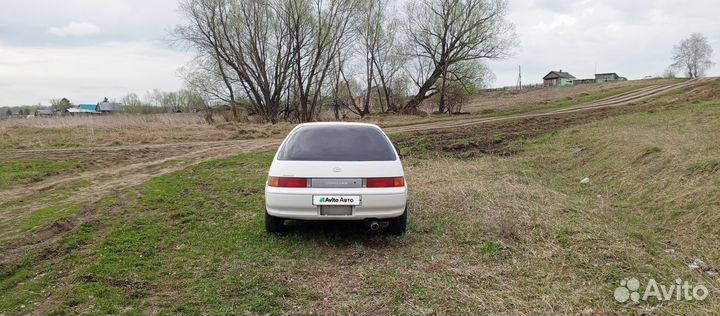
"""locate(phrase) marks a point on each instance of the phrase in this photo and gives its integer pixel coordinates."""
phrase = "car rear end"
(336, 171)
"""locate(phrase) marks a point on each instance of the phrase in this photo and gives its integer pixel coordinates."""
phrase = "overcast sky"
(89, 49)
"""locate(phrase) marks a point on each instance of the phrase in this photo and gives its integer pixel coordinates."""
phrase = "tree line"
(156, 101)
(153, 101)
(289, 59)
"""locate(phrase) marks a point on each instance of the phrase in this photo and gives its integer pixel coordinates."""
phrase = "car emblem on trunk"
(337, 169)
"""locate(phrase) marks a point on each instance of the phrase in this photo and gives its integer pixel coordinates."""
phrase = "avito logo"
(329, 200)
(336, 199)
(631, 290)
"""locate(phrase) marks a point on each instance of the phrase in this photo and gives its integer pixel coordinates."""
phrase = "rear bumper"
(377, 203)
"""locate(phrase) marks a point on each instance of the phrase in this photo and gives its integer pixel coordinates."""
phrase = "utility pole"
(519, 82)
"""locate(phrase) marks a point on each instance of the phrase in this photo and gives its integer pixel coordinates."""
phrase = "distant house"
(608, 77)
(558, 78)
(109, 107)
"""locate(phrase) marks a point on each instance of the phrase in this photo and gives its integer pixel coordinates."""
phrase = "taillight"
(385, 182)
(281, 182)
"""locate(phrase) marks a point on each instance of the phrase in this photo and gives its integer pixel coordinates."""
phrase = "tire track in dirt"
(203, 152)
(618, 100)
(107, 180)
(94, 149)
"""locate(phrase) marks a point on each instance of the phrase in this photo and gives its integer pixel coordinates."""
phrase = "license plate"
(352, 200)
(336, 210)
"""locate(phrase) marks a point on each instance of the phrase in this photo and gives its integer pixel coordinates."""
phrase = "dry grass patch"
(126, 129)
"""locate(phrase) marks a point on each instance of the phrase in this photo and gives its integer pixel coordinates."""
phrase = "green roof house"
(558, 78)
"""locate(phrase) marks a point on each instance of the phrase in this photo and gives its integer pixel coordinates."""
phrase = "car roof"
(315, 124)
(337, 124)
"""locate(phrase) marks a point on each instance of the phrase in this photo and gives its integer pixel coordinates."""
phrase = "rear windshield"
(337, 143)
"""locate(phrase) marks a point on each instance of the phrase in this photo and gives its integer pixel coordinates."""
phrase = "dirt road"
(121, 166)
(618, 100)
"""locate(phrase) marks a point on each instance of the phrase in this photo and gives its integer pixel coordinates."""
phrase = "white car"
(337, 171)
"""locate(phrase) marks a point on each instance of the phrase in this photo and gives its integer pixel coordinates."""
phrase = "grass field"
(122, 130)
(18, 172)
(488, 234)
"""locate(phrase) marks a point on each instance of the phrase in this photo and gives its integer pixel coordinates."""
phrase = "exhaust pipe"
(374, 225)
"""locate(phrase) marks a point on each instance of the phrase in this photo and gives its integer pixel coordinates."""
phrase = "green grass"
(202, 218)
(465, 142)
(18, 172)
(44, 216)
(414, 150)
(491, 246)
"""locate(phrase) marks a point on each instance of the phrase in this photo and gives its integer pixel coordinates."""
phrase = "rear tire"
(398, 225)
(274, 225)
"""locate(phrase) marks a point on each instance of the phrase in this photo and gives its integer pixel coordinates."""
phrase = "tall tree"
(344, 88)
(389, 59)
(446, 32)
(381, 51)
(693, 55)
(247, 40)
(317, 30)
(371, 32)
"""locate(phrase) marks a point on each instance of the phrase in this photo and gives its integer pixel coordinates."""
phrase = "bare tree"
(344, 91)
(282, 59)
(692, 55)
(317, 29)
(381, 51)
(389, 60)
(204, 77)
(460, 82)
(132, 102)
(370, 32)
(247, 40)
(208, 87)
(446, 32)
